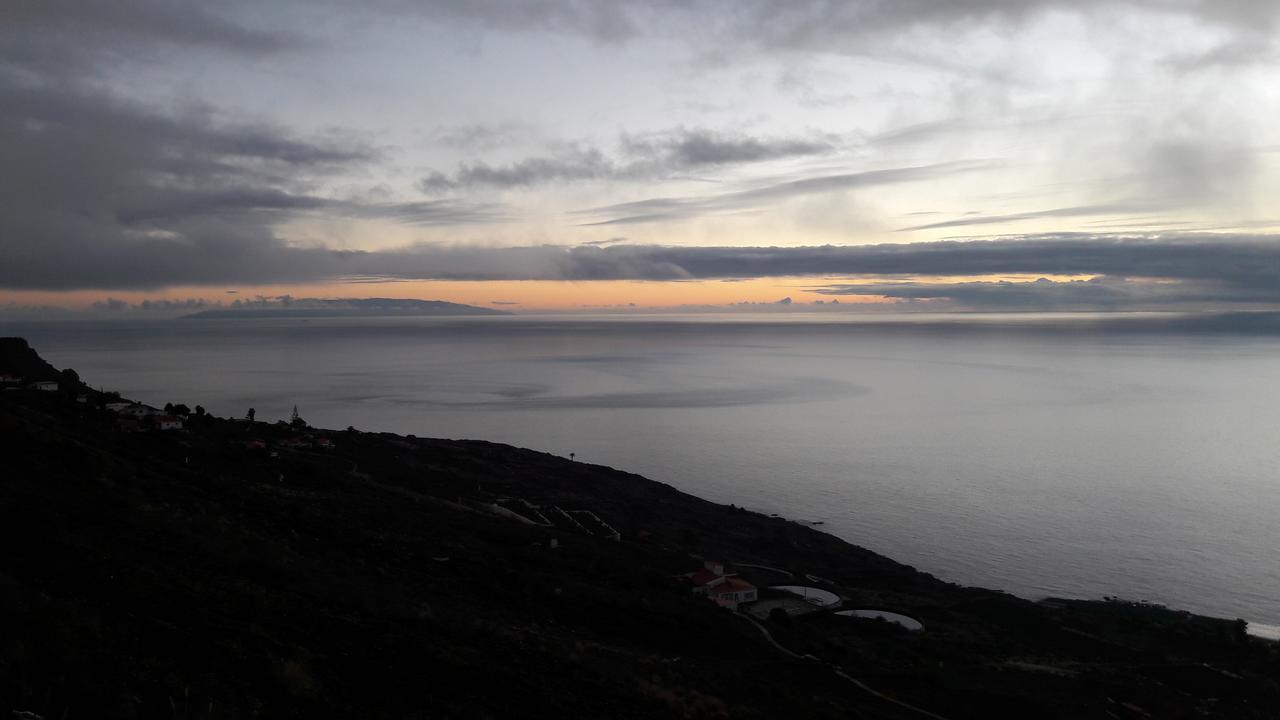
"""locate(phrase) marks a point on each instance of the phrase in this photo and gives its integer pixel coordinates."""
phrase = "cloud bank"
(1128, 271)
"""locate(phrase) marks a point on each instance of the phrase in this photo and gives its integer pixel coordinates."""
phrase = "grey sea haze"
(1084, 456)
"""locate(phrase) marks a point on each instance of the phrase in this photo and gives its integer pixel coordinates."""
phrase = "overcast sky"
(566, 153)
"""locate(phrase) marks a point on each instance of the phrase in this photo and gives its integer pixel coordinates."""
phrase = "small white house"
(45, 385)
(7, 379)
(139, 411)
(118, 406)
(169, 422)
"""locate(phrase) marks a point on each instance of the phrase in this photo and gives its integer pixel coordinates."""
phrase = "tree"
(200, 411)
(295, 420)
(252, 412)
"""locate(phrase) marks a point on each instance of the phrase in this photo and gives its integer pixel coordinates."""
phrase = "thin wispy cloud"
(661, 209)
(1067, 212)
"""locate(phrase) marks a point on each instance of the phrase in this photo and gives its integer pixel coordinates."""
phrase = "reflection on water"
(1103, 455)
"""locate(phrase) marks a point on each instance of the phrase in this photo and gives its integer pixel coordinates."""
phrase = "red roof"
(732, 585)
(704, 577)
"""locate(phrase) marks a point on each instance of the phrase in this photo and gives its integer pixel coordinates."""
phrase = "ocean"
(1046, 455)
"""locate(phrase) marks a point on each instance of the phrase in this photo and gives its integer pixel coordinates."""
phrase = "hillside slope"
(239, 569)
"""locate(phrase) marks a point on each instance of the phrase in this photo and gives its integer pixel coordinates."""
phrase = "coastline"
(990, 525)
(327, 570)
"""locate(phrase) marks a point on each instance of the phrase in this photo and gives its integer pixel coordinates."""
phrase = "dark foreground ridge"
(171, 564)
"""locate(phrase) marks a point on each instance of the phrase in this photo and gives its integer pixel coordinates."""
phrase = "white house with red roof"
(725, 589)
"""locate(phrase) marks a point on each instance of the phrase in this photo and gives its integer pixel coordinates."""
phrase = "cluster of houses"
(131, 417)
(306, 442)
(301, 442)
(14, 382)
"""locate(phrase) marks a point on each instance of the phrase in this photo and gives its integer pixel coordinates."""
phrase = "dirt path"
(838, 671)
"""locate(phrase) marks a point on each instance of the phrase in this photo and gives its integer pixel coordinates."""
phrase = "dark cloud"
(855, 27)
(115, 305)
(96, 184)
(110, 304)
(109, 186)
(642, 157)
(689, 148)
(1133, 271)
(571, 165)
(1098, 293)
(67, 38)
(1238, 259)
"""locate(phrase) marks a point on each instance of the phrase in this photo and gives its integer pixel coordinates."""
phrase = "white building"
(45, 385)
(139, 411)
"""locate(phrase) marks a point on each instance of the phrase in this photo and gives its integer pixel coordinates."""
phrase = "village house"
(168, 422)
(44, 385)
(725, 589)
(6, 379)
(139, 410)
(118, 406)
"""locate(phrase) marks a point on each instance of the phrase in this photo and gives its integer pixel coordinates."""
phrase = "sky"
(572, 155)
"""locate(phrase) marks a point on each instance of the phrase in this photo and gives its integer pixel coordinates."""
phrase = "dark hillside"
(235, 569)
(20, 359)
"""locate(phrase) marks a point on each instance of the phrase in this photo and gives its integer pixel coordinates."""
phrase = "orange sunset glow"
(532, 295)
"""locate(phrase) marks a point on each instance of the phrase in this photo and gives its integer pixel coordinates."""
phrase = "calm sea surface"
(1040, 455)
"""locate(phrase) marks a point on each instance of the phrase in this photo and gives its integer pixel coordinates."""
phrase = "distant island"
(163, 562)
(355, 307)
